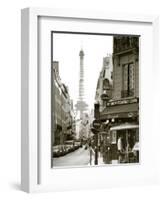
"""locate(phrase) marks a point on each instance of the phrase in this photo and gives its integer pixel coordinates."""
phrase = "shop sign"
(122, 102)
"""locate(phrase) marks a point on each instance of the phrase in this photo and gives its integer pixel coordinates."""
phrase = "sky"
(66, 48)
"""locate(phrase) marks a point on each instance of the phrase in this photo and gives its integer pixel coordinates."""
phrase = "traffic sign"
(96, 124)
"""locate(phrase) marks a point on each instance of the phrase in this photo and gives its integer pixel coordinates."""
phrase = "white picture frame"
(34, 175)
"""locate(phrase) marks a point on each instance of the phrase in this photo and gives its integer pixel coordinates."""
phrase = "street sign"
(96, 124)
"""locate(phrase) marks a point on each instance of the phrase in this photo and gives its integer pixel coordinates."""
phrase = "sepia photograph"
(88, 118)
(94, 99)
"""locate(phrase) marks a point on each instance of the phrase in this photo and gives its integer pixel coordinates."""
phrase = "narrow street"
(76, 158)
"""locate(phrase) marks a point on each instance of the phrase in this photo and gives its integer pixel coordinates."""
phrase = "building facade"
(104, 87)
(63, 116)
(125, 93)
(126, 67)
(121, 112)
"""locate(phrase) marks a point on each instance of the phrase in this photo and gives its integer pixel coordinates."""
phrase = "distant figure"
(119, 144)
(90, 152)
(120, 148)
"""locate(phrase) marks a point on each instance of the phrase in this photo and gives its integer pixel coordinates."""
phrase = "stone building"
(126, 67)
(105, 83)
(122, 110)
(125, 92)
(62, 109)
(104, 93)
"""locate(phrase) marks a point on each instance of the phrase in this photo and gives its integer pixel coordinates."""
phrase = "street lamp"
(95, 129)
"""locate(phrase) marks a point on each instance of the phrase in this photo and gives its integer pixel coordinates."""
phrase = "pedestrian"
(120, 148)
(91, 154)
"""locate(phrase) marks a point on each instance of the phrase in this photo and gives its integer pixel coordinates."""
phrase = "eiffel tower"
(81, 105)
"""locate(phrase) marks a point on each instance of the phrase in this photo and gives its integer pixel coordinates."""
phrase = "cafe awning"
(124, 127)
(117, 111)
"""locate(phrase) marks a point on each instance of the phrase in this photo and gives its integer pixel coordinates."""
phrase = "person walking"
(120, 148)
(90, 152)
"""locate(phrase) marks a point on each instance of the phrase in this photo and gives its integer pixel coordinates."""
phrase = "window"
(104, 73)
(128, 80)
(106, 84)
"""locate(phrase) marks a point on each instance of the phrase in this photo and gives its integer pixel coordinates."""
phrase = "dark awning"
(116, 111)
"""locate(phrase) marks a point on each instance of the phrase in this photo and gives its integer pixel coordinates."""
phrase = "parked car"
(68, 147)
(78, 143)
(59, 150)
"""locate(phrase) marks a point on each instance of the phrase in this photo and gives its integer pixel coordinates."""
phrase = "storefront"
(123, 139)
(123, 130)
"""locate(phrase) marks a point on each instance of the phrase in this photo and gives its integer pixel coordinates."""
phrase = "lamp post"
(95, 129)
